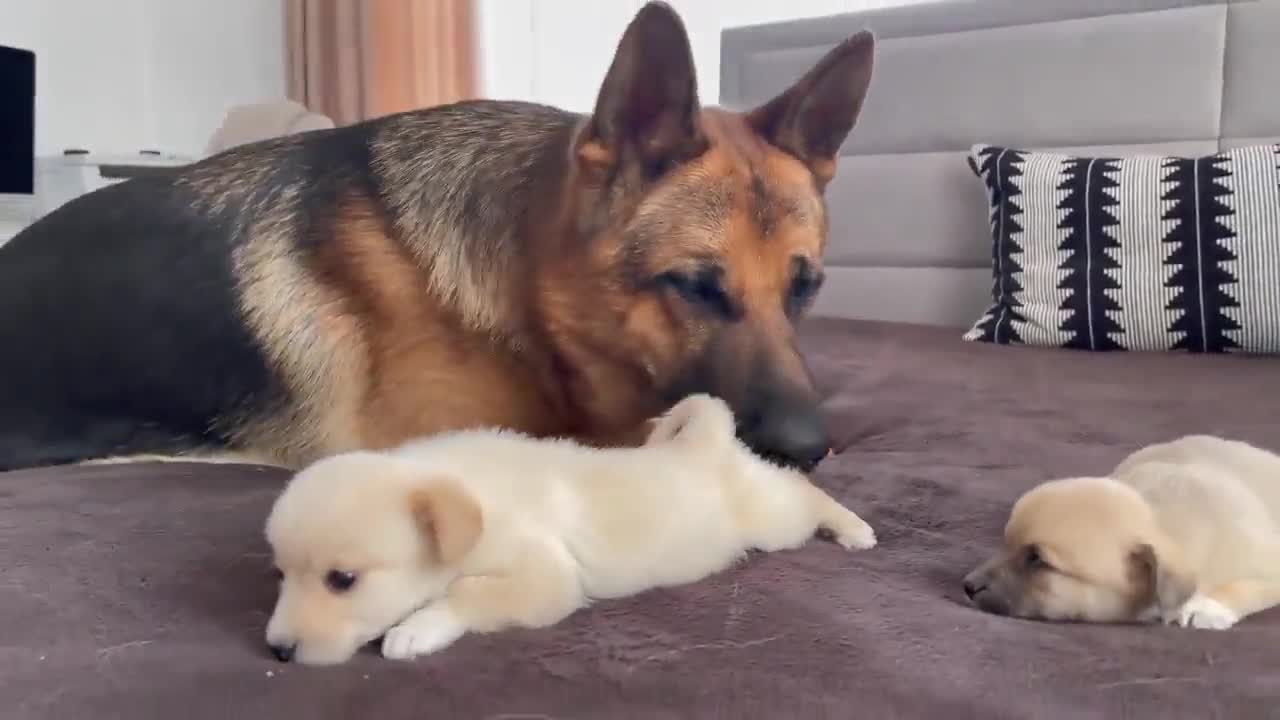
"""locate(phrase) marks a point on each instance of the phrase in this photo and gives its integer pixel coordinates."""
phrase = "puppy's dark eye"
(1032, 559)
(277, 573)
(703, 288)
(339, 581)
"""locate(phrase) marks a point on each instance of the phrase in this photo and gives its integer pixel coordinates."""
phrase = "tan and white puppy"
(1185, 532)
(482, 530)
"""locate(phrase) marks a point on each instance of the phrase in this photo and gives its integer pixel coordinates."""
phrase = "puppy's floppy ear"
(812, 118)
(647, 110)
(1169, 586)
(449, 519)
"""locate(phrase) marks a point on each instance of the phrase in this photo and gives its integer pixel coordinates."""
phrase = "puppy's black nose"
(972, 588)
(283, 653)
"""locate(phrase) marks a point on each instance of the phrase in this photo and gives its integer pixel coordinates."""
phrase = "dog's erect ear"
(449, 519)
(647, 109)
(812, 118)
(1170, 588)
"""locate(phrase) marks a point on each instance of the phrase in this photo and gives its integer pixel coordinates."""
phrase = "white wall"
(205, 56)
(123, 75)
(557, 51)
(118, 76)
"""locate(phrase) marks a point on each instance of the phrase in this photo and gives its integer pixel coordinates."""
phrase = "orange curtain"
(357, 59)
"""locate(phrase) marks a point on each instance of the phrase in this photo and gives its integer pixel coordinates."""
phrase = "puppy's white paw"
(432, 628)
(1204, 613)
(853, 533)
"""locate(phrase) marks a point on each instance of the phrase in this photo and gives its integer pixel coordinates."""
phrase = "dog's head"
(1081, 549)
(361, 542)
(699, 233)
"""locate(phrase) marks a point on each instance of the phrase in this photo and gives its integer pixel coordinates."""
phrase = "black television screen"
(17, 121)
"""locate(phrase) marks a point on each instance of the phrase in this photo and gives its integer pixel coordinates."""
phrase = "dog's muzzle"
(797, 438)
(283, 652)
(977, 588)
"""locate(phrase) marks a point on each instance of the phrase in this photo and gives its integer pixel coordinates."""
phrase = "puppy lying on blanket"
(481, 530)
(1187, 532)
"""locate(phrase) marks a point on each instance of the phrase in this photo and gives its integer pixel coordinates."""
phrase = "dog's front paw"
(1204, 613)
(432, 628)
(853, 533)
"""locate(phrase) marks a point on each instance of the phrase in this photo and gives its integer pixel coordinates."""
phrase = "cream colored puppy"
(483, 530)
(1187, 532)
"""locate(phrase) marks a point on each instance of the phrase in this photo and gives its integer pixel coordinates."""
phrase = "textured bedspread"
(142, 591)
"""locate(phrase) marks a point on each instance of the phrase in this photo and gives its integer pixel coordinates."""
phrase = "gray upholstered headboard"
(909, 236)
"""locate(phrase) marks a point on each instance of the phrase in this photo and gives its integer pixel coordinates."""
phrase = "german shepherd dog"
(483, 263)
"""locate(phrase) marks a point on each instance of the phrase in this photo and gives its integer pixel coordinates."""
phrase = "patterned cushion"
(1134, 253)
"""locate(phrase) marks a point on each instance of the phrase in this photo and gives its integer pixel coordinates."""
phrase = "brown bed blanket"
(142, 591)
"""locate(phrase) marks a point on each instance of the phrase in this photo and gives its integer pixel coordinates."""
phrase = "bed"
(138, 591)
(143, 591)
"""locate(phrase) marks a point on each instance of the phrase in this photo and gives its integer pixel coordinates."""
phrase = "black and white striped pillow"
(1133, 253)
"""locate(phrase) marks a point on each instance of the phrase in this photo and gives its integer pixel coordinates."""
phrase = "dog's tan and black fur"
(481, 263)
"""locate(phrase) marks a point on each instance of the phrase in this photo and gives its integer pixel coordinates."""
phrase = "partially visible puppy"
(1186, 532)
(482, 530)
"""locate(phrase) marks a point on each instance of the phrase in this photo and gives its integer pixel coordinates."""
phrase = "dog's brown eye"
(804, 287)
(339, 581)
(702, 288)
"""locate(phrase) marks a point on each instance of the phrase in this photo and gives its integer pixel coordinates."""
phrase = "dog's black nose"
(283, 653)
(972, 588)
(798, 439)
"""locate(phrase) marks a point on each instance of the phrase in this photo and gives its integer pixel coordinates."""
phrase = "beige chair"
(261, 121)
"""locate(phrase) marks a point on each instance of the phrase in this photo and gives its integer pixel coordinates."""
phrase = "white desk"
(60, 178)
(16, 212)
